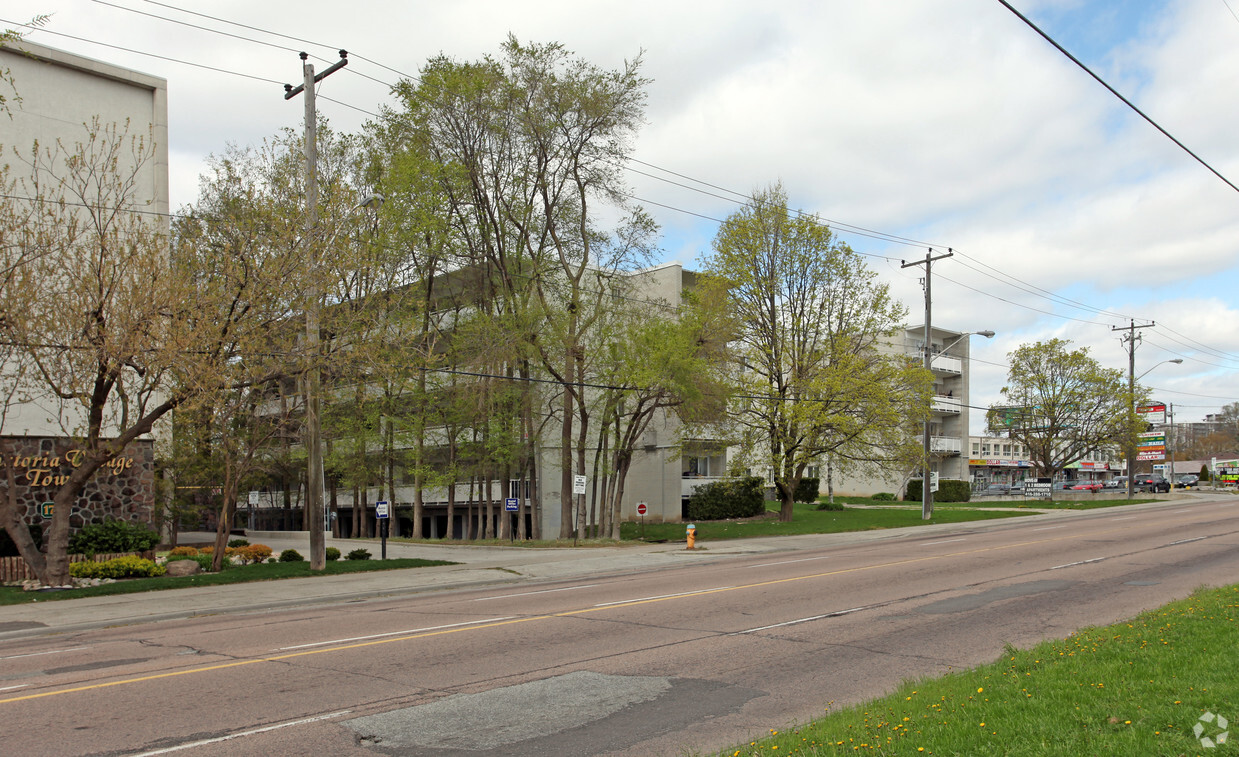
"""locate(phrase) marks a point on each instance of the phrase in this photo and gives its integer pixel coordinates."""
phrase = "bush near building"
(731, 498)
(130, 566)
(113, 536)
(808, 490)
(949, 490)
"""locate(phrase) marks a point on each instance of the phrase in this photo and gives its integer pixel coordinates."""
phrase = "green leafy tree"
(1062, 405)
(813, 372)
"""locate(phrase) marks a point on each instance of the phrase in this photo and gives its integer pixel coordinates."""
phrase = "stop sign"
(641, 508)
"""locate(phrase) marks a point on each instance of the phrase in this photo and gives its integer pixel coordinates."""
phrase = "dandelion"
(980, 689)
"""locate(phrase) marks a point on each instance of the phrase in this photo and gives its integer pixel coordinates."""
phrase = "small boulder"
(183, 568)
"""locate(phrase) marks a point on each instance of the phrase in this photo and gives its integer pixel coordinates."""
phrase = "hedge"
(730, 498)
(949, 490)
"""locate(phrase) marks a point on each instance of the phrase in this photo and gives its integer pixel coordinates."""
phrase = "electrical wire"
(139, 52)
(1115, 92)
(997, 275)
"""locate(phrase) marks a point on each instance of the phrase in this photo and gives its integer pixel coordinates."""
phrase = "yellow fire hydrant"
(692, 535)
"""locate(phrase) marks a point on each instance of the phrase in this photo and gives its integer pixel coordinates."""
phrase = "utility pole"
(1131, 339)
(314, 485)
(927, 496)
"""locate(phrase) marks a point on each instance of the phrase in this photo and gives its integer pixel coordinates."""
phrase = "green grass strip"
(808, 520)
(1133, 688)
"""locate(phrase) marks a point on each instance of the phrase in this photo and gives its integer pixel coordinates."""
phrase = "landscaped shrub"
(730, 498)
(949, 490)
(129, 566)
(291, 555)
(827, 505)
(358, 554)
(183, 552)
(807, 490)
(234, 543)
(333, 554)
(113, 536)
(953, 490)
(251, 554)
(883, 497)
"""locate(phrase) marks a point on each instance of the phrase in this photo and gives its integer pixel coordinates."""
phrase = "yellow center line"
(565, 614)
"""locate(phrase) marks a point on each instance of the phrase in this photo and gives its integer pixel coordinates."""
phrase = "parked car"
(1184, 480)
(1154, 482)
(1087, 486)
(1064, 485)
(1118, 482)
(995, 490)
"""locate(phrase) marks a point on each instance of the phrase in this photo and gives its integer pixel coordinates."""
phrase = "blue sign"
(381, 510)
(511, 504)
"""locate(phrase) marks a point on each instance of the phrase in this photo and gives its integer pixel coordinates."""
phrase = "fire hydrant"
(692, 535)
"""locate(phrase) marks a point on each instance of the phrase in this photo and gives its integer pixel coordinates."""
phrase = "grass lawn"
(13, 595)
(1134, 688)
(808, 520)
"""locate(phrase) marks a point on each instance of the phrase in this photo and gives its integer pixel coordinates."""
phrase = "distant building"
(1003, 460)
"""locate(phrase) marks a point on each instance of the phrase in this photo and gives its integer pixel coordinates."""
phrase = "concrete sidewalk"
(476, 566)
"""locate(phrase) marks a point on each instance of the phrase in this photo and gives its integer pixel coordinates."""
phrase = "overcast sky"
(947, 123)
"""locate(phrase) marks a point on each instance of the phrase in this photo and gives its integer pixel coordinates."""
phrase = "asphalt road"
(700, 653)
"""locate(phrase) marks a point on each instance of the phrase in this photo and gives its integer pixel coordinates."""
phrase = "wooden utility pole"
(314, 485)
(1131, 339)
(927, 496)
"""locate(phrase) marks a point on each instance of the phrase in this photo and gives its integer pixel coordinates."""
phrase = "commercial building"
(1003, 460)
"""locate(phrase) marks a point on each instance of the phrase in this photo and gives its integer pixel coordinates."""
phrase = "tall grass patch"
(1138, 687)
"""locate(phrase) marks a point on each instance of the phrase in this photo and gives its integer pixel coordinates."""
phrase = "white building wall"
(60, 94)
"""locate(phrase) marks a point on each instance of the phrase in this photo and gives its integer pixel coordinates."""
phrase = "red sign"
(641, 508)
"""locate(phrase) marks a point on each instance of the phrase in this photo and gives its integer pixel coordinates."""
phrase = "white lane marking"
(392, 633)
(664, 596)
(835, 614)
(1126, 517)
(1047, 528)
(944, 541)
(231, 736)
(1226, 504)
(19, 686)
(788, 562)
(36, 654)
(1186, 541)
(1175, 512)
(526, 594)
(1082, 562)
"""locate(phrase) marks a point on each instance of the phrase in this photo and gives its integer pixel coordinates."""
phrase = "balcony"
(942, 364)
(946, 365)
(943, 405)
(690, 483)
(946, 445)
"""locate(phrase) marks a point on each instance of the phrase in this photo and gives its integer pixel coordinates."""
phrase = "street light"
(314, 485)
(1131, 399)
(927, 496)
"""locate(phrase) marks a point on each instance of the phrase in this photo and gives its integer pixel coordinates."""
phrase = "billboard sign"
(1154, 412)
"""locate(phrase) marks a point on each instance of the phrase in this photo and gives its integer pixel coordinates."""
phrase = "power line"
(840, 226)
(1115, 92)
(139, 52)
